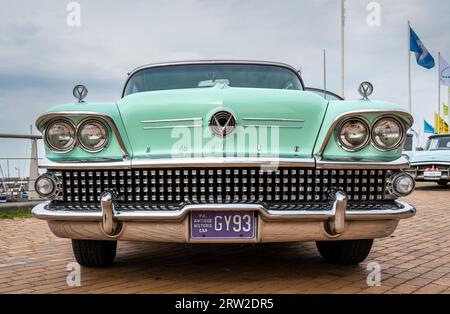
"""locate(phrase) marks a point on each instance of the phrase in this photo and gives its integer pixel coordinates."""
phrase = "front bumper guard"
(338, 212)
(340, 222)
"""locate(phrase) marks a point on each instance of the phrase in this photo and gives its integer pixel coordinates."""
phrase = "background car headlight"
(387, 134)
(354, 134)
(93, 135)
(60, 136)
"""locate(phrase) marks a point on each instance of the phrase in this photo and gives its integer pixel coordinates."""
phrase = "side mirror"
(419, 149)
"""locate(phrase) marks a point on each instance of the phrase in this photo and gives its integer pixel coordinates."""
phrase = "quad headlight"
(60, 136)
(354, 134)
(387, 134)
(93, 135)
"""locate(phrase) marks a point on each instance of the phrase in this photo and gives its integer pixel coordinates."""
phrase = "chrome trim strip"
(426, 163)
(224, 162)
(95, 115)
(172, 120)
(272, 126)
(407, 211)
(77, 165)
(170, 127)
(401, 163)
(358, 113)
(273, 119)
(186, 162)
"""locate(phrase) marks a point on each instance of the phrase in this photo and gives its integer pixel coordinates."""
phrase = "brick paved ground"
(416, 259)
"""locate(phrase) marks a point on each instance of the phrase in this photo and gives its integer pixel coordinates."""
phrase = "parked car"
(224, 152)
(433, 163)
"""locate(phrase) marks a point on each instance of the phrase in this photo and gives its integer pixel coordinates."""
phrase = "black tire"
(345, 252)
(443, 183)
(90, 253)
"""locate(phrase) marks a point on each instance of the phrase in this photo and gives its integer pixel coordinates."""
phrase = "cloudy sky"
(42, 58)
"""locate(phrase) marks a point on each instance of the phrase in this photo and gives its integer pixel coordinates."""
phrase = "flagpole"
(439, 93)
(343, 48)
(325, 73)
(409, 69)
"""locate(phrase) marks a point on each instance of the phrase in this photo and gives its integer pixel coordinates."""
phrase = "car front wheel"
(345, 252)
(91, 253)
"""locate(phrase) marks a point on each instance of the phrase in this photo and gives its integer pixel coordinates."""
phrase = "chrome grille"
(420, 170)
(220, 185)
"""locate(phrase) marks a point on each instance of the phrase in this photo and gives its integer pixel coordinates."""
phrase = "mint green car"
(224, 152)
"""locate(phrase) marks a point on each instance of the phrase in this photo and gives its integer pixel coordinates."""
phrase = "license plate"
(223, 225)
(432, 175)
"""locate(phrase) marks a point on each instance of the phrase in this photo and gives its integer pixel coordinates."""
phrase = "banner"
(444, 72)
(423, 56)
(427, 128)
(441, 127)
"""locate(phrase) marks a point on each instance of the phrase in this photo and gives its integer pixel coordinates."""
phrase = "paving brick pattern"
(416, 259)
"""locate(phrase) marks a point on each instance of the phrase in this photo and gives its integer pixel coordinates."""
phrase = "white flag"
(444, 72)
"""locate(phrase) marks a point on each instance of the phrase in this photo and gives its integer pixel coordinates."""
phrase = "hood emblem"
(365, 90)
(80, 92)
(222, 123)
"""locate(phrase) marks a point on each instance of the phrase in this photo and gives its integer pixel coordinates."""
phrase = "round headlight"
(387, 134)
(93, 135)
(45, 185)
(60, 136)
(403, 184)
(354, 134)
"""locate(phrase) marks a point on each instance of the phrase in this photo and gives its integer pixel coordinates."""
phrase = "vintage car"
(433, 163)
(224, 152)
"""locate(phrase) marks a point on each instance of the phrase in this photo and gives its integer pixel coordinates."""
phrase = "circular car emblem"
(222, 123)
(365, 89)
(80, 92)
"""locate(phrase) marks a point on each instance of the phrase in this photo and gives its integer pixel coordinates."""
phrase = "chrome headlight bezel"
(105, 136)
(56, 185)
(393, 182)
(71, 126)
(347, 146)
(399, 142)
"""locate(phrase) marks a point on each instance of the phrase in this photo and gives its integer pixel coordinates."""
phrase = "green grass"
(18, 213)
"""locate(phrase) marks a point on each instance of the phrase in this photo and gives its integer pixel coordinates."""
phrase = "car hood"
(429, 156)
(175, 123)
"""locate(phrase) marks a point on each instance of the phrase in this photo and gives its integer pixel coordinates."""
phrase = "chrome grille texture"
(222, 185)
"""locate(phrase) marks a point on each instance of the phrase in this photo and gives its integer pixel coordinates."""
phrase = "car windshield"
(208, 75)
(438, 143)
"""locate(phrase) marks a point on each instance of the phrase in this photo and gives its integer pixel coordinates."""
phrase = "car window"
(438, 143)
(409, 143)
(208, 75)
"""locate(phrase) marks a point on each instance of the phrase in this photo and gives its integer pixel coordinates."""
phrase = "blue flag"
(428, 128)
(423, 56)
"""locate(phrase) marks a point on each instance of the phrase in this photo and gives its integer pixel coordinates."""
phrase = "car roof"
(187, 62)
(439, 135)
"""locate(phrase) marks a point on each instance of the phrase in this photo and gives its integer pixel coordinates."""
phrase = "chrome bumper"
(337, 223)
(41, 211)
